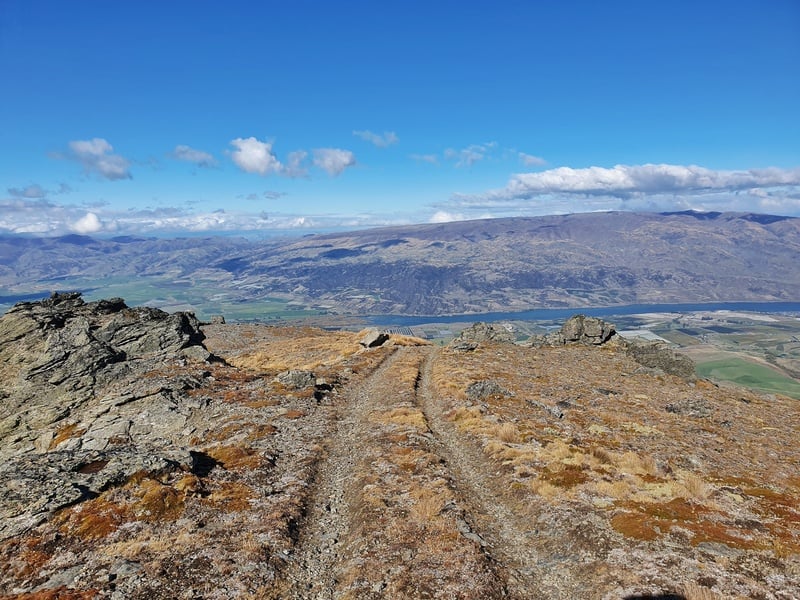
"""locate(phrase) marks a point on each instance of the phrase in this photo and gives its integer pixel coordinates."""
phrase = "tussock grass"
(404, 416)
(315, 349)
(508, 432)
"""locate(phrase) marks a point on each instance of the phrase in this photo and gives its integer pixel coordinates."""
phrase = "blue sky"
(146, 117)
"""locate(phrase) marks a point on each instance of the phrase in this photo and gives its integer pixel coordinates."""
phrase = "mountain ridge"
(490, 265)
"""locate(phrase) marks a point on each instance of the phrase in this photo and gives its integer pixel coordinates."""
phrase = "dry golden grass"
(229, 496)
(235, 457)
(404, 416)
(635, 464)
(695, 486)
(508, 432)
(407, 340)
(692, 591)
(545, 489)
(308, 350)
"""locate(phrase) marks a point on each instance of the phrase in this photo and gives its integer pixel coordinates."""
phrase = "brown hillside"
(307, 466)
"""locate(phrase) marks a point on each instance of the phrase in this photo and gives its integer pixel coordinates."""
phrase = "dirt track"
(354, 545)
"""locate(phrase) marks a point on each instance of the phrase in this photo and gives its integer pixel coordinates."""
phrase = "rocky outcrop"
(481, 332)
(660, 357)
(94, 383)
(578, 329)
(480, 390)
(591, 331)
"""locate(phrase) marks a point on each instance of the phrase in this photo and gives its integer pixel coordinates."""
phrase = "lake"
(551, 314)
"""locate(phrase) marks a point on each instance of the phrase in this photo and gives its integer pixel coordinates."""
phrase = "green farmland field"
(749, 374)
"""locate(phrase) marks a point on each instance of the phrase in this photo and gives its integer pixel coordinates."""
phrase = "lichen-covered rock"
(479, 390)
(297, 379)
(483, 332)
(578, 329)
(660, 357)
(89, 383)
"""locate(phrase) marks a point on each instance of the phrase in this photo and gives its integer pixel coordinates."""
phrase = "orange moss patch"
(230, 496)
(569, 476)
(635, 525)
(647, 521)
(23, 557)
(93, 519)
(66, 432)
(235, 457)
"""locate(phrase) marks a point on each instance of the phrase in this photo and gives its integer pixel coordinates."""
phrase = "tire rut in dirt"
(508, 539)
(313, 568)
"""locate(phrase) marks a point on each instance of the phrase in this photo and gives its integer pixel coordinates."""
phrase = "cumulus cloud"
(466, 157)
(443, 216)
(33, 192)
(529, 160)
(254, 156)
(333, 160)
(647, 187)
(198, 157)
(624, 180)
(381, 141)
(97, 157)
(89, 223)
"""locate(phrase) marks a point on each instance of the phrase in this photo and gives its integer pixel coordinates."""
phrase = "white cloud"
(466, 157)
(381, 141)
(254, 156)
(89, 223)
(623, 180)
(531, 161)
(443, 216)
(96, 156)
(639, 187)
(295, 164)
(333, 160)
(426, 158)
(198, 157)
(33, 192)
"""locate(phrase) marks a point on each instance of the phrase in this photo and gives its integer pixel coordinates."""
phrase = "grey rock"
(373, 338)
(36, 485)
(479, 390)
(578, 329)
(297, 379)
(482, 332)
(660, 357)
(88, 398)
(691, 407)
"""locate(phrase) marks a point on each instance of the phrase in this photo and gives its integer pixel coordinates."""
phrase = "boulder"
(482, 332)
(480, 390)
(373, 338)
(578, 329)
(660, 357)
(296, 379)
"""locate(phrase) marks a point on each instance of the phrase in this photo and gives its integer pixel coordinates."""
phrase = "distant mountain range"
(578, 260)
